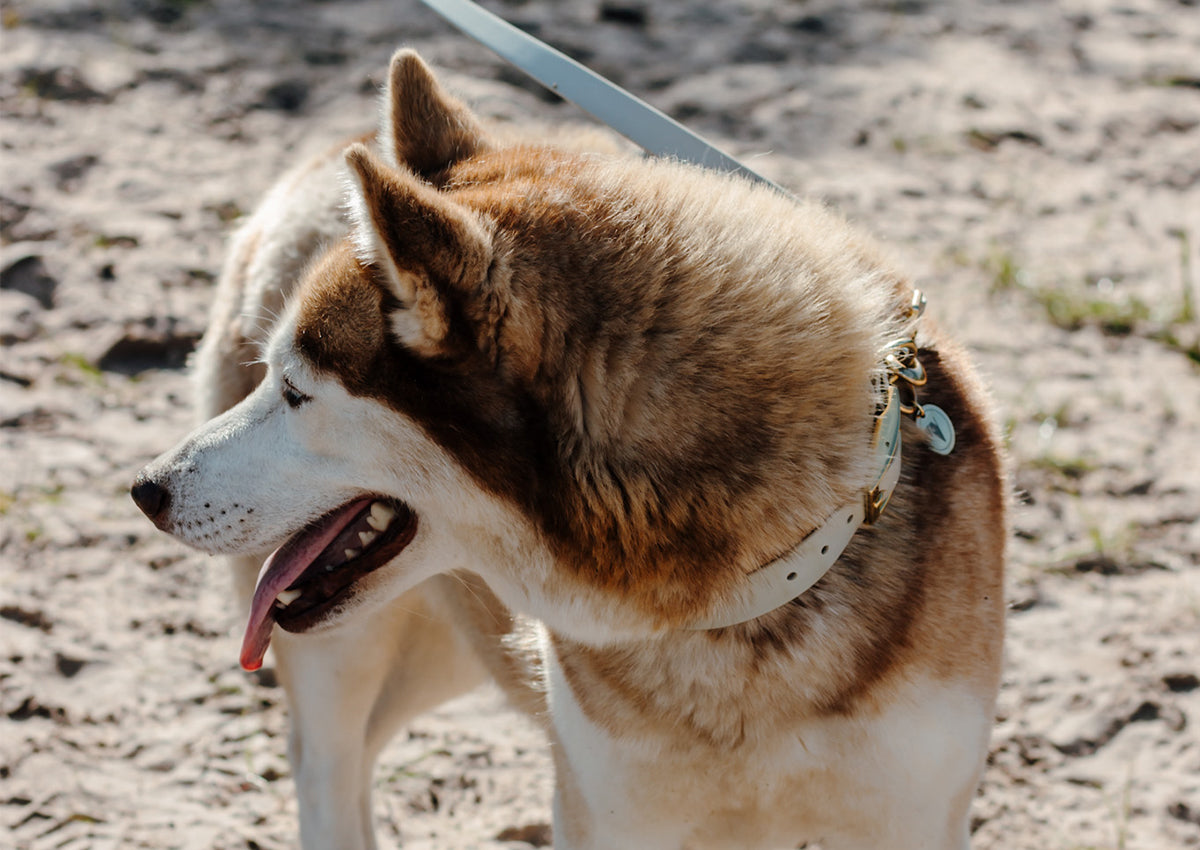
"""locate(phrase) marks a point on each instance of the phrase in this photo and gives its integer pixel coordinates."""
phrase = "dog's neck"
(782, 580)
(785, 578)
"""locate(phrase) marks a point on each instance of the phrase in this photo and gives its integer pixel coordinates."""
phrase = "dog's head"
(610, 387)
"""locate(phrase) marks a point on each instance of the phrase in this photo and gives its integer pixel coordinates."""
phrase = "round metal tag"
(938, 428)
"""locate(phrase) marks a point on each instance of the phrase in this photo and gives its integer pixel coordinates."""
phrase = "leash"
(782, 580)
(648, 128)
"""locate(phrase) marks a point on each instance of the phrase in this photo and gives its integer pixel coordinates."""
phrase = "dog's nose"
(150, 496)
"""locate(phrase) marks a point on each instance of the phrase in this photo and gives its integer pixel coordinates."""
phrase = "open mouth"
(314, 571)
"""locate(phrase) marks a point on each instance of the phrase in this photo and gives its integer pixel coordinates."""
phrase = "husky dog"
(588, 425)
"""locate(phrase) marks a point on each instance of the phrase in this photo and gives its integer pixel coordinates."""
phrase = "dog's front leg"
(348, 693)
(331, 685)
(330, 698)
(598, 804)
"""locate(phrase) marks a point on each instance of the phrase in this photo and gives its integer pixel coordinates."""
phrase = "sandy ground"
(1036, 165)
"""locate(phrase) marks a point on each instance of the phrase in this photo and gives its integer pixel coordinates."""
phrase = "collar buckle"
(886, 446)
(874, 502)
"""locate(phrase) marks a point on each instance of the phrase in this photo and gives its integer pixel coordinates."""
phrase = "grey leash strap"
(633, 118)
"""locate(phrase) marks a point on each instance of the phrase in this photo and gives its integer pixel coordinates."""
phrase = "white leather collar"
(785, 578)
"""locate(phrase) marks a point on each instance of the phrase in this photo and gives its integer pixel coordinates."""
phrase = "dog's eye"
(293, 396)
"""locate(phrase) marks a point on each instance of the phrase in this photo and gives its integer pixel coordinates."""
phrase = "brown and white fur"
(602, 392)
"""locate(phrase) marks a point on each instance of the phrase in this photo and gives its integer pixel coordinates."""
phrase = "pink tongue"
(281, 569)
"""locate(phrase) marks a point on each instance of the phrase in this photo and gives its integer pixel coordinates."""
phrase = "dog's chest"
(675, 788)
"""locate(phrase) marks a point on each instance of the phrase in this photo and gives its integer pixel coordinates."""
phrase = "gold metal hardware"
(903, 362)
(874, 501)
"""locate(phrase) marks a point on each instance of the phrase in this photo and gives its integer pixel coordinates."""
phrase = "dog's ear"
(424, 128)
(427, 247)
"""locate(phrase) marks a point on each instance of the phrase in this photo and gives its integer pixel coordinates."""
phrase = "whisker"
(418, 614)
(477, 598)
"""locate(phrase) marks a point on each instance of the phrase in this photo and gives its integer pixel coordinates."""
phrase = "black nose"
(150, 496)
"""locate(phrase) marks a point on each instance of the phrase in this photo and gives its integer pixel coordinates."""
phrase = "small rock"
(225, 211)
(1083, 733)
(65, 84)
(534, 834)
(631, 14)
(119, 240)
(989, 140)
(141, 349)
(28, 274)
(67, 666)
(30, 707)
(812, 24)
(163, 11)
(70, 171)
(1181, 683)
(27, 617)
(37, 419)
(1184, 812)
(1146, 711)
(286, 96)
(1140, 487)
(1106, 565)
(22, 381)
(1024, 599)
(759, 52)
(325, 56)
(187, 82)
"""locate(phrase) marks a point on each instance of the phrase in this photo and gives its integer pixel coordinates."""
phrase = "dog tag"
(937, 427)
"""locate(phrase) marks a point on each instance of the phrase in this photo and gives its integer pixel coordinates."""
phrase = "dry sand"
(1036, 165)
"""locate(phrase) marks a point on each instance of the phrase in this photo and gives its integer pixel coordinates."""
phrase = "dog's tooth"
(351, 554)
(382, 511)
(365, 537)
(381, 516)
(287, 597)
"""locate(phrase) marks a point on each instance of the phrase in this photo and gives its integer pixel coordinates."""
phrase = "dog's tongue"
(280, 571)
